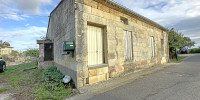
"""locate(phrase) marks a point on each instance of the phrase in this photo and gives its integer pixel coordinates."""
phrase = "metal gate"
(48, 52)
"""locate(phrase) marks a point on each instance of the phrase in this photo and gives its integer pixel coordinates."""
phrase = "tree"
(4, 44)
(178, 40)
(14, 52)
(32, 52)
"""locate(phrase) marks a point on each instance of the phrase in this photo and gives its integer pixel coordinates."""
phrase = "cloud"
(22, 39)
(31, 6)
(162, 11)
(27, 25)
(20, 9)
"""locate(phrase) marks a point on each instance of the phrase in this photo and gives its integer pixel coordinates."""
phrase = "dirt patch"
(5, 96)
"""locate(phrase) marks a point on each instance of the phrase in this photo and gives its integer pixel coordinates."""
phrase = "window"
(162, 47)
(152, 45)
(124, 20)
(128, 48)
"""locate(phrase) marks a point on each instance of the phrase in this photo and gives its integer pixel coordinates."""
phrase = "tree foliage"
(14, 52)
(32, 52)
(4, 44)
(178, 40)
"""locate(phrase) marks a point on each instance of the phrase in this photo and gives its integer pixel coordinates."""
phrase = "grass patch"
(180, 59)
(3, 89)
(40, 84)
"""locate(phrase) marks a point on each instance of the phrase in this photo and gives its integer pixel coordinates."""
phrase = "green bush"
(51, 86)
(195, 50)
(52, 78)
(32, 52)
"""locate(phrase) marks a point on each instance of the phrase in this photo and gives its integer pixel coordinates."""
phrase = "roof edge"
(138, 15)
(126, 9)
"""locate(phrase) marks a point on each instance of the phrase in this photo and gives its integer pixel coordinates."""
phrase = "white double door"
(95, 45)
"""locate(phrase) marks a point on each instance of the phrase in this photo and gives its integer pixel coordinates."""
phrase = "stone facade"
(6, 51)
(69, 21)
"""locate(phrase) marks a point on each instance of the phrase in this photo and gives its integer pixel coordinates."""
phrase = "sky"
(22, 22)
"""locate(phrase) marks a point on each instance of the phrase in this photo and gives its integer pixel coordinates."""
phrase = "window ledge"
(97, 66)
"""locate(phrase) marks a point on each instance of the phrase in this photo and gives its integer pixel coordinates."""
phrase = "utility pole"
(176, 54)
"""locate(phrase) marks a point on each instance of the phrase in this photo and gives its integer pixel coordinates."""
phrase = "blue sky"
(22, 22)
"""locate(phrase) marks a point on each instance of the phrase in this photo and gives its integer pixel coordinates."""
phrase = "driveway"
(178, 82)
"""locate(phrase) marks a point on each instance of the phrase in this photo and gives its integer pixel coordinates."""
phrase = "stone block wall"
(68, 22)
(97, 75)
(100, 13)
(62, 28)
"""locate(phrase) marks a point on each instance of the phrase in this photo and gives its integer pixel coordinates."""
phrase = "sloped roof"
(128, 10)
(136, 14)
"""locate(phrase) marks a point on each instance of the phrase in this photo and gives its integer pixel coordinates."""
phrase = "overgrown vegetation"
(196, 50)
(6, 57)
(180, 59)
(51, 86)
(3, 89)
(14, 53)
(32, 52)
(36, 83)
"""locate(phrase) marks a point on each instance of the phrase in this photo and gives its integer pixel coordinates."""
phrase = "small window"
(152, 45)
(124, 20)
(128, 47)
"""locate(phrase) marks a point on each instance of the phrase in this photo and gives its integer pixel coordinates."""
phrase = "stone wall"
(104, 15)
(68, 22)
(6, 51)
(62, 28)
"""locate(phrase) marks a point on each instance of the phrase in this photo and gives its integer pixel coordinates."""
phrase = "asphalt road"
(177, 82)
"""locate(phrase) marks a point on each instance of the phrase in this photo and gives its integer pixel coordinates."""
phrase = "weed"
(51, 85)
(3, 89)
(39, 84)
(180, 59)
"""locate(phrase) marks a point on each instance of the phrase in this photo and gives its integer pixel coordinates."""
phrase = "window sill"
(97, 66)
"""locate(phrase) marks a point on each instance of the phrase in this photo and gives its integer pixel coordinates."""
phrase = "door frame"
(104, 37)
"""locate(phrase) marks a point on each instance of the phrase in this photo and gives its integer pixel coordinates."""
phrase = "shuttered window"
(152, 46)
(128, 48)
(95, 45)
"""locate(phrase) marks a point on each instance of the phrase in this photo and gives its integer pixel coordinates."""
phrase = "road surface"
(177, 82)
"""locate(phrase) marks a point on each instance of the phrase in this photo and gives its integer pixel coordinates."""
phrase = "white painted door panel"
(95, 45)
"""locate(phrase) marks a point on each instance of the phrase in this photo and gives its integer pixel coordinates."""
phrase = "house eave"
(136, 14)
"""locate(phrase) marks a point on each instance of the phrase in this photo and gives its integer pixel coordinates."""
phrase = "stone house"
(5, 50)
(109, 39)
